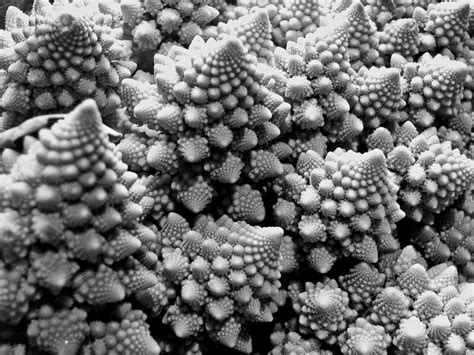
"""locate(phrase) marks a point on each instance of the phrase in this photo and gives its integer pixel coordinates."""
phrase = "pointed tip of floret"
(231, 47)
(174, 217)
(459, 70)
(261, 16)
(463, 6)
(393, 75)
(273, 236)
(66, 19)
(69, 18)
(356, 8)
(325, 301)
(87, 111)
(376, 158)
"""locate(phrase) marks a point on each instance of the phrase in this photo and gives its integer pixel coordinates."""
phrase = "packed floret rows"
(55, 57)
(71, 235)
(208, 177)
(212, 120)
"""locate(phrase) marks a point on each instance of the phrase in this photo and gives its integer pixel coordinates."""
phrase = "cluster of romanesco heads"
(265, 177)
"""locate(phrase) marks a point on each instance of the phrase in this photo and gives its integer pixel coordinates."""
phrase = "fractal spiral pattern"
(281, 177)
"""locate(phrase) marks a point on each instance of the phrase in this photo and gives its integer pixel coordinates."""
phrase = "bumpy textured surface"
(66, 194)
(226, 275)
(21, 4)
(323, 309)
(155, 25)
(254, 30)
(213, 119)
(58, 56)
(286, 177)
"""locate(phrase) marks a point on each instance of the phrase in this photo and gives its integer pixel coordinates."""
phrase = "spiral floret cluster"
(271, 176)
